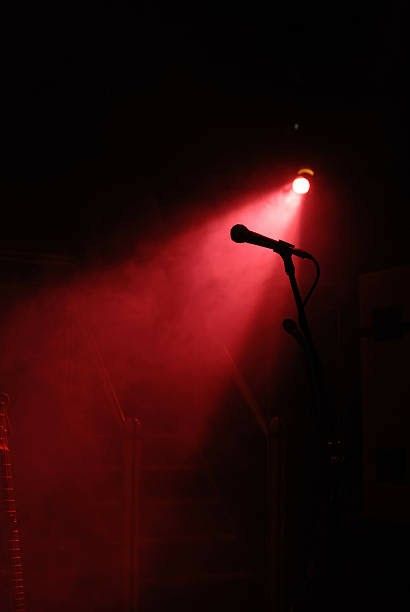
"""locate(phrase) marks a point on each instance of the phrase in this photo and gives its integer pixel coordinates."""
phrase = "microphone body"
(240, 233)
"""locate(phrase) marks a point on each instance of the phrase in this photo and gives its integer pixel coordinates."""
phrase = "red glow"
(301, 185)
(164, 337)
(162, 324)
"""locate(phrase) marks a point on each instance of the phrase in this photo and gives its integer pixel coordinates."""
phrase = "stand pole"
(133, 513)
(324, 460)
(308, 344)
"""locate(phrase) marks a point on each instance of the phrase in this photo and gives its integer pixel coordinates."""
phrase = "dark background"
(100, 107)
(115, 120)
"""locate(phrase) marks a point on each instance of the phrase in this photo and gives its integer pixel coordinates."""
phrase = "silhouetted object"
(240, 233)
(323, 441)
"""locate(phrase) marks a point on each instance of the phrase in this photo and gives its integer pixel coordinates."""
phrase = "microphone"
(240, 233)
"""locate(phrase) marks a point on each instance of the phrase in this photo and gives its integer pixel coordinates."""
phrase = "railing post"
(133, 456)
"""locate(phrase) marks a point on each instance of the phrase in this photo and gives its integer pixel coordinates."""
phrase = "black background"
(105, 108)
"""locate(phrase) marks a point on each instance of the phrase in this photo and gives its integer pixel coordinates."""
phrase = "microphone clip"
(284, 248)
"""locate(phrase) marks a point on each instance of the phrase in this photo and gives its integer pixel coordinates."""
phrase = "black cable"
(315, 282)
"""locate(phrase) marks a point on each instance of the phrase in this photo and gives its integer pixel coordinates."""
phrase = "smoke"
(158, 338)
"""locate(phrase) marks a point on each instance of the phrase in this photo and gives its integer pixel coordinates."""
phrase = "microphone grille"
(239, 233)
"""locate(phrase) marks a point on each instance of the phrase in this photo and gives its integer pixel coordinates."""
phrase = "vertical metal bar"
(132, 515)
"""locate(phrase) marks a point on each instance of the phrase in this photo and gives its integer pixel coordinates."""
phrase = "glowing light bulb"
(301, 185)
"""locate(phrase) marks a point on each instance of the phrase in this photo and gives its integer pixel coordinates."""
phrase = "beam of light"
(159, 323)
(164, 327)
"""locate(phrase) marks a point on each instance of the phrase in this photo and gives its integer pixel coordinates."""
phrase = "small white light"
(301, 185)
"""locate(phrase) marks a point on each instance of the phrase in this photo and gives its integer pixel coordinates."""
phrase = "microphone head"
(239, 233)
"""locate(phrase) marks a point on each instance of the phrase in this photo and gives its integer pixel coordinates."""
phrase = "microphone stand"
(324, 450)
(323, 446)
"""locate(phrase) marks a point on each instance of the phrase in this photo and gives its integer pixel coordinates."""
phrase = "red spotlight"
(301, 184)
